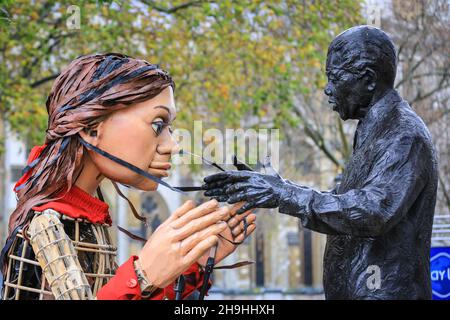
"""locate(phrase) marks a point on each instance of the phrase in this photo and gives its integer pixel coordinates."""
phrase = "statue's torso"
(401, 255)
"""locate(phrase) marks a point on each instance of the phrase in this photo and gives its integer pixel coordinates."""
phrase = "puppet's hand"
(234, 232)
(181, 240)
(256, 189)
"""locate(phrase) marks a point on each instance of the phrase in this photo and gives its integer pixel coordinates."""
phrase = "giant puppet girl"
(109, 116)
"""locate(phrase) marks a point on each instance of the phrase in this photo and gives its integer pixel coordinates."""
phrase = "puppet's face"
(141, 135)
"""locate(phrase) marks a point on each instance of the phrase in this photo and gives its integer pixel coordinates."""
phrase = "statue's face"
(347, 93)
(139, 134)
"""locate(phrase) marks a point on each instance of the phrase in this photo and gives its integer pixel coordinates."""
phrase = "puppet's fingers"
(202, 223)
(199, 250)
(194, 213)
(236, 219)
(240, 228)
(191, 241)
(241, 237)
(188, 205)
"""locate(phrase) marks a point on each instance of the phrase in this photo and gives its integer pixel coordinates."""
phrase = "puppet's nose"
(176, 149)
(168, 146)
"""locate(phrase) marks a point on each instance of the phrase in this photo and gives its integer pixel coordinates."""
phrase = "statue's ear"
(370, 77)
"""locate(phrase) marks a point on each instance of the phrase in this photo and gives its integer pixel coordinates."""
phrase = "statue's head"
(361, 64)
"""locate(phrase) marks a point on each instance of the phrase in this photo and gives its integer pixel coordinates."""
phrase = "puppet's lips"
(160, 165)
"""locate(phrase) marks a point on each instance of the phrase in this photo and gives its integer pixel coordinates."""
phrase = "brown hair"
(83, 95)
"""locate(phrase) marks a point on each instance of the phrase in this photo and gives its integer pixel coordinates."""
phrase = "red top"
(34, 154)
(124, 285)
(77, 203)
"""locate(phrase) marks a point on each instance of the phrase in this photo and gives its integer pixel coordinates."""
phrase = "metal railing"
(440, 236)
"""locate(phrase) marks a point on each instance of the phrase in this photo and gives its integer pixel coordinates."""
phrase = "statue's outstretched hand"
(256, 189)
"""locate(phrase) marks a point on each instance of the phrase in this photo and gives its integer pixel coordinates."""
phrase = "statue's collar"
(375, 115)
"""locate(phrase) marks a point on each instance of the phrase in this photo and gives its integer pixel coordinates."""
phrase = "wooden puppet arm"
(57, 257)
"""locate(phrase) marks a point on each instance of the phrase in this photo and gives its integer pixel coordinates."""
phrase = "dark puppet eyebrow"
(165, 108)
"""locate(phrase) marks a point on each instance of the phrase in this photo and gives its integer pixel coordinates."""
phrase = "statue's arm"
(396, 179)
(57, 257)
(333, 191)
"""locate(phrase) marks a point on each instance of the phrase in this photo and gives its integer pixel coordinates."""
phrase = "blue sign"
(440, 273)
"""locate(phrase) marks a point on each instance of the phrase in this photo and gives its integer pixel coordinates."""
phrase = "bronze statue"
(379, 219)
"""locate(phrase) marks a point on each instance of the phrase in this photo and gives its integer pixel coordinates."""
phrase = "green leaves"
(230, 59)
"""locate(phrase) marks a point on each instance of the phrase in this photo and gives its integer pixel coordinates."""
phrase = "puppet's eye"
(158, 126)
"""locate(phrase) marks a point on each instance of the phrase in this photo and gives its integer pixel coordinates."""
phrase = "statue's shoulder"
(408, 123)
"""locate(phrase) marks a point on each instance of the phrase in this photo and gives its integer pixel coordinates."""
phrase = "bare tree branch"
(44, 80)
(444, 190)
(423, 75)
(439, 87)
(174, 9)
(318, 140)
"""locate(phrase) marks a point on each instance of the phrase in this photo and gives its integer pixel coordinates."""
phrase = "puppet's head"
(109, 102)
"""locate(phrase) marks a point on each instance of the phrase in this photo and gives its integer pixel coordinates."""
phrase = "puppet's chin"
(147, 186)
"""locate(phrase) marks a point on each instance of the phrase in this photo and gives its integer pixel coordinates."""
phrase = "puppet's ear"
(92, 135)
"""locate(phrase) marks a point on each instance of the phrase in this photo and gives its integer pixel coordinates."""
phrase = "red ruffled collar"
(79, 204)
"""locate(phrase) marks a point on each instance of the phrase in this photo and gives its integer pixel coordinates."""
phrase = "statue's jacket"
(80, 245)
(379, 219)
